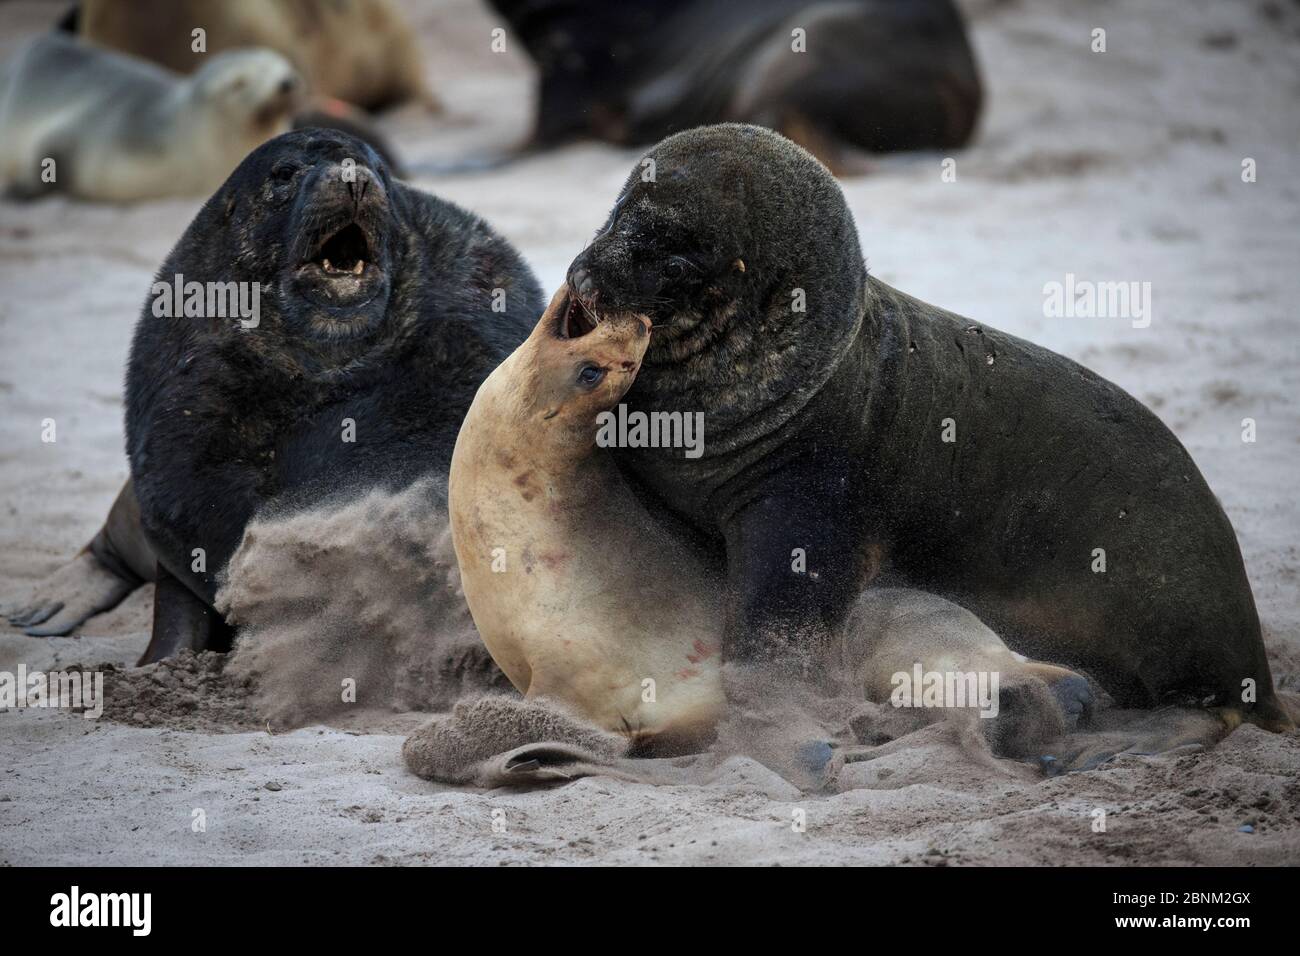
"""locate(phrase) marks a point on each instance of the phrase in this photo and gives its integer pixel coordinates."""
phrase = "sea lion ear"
(739, 265)
(228, 209)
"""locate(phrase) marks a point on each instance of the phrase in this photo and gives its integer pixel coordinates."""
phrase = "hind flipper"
(115, 562)
(500, 740)
(1140, 733)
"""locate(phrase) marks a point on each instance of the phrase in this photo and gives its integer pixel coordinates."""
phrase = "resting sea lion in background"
(826, 397)
(120, 129)
(841, 78)
(584, 597)
(360, 51)
(382, 309)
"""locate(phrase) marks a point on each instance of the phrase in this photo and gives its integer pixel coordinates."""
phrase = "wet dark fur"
(822, 432)
(223, 422)
(879, 75)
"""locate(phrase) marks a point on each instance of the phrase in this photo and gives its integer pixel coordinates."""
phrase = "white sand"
(1116, 166)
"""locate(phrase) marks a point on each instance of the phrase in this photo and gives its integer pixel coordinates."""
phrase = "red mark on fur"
(702, 652)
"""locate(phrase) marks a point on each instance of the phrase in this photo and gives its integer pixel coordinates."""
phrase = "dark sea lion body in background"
(377, 325)
(872, 76)
(823, 432)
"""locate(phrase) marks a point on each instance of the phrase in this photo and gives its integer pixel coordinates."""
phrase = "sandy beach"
(1108, 167)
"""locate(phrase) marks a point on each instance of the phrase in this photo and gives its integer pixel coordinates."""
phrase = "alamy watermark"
(208, 300)
(922, 688)
(81, 690)
(1085, 299)
(75, 908)
(625, 429)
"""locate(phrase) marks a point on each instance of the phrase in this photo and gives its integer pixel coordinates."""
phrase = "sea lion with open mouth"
(564, 575)
(382, 309)
(827, 397)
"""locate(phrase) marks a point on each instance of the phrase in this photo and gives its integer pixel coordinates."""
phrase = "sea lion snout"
(342, 225)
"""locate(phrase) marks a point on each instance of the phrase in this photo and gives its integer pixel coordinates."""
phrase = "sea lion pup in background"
(827, 397)
(360, 51)
(585, 597)
(120, 129)
(382, 309)
(842, 78)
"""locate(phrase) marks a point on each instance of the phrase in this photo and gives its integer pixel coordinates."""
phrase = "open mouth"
(345, 253)
(343, 268)
(577, 319)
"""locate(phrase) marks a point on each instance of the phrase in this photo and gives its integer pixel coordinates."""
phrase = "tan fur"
(120, 130)
(360, 51)
(594, 600)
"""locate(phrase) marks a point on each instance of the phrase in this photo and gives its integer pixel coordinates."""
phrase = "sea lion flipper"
(70, 596)
(115, 562)
(182, 621)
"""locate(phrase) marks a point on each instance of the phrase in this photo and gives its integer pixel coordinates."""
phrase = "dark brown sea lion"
(382, 309)
(827, 397)
(842, 78)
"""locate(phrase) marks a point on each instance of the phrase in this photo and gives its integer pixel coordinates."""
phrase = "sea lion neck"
(751, 369)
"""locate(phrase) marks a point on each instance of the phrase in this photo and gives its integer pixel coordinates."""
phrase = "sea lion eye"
(589, 376)
(283, 172)
(675, 268)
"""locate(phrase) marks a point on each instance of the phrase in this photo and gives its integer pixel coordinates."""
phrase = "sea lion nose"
(581, 282)
(358, 183)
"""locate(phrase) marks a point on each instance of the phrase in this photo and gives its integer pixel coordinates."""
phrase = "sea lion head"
(255, 90)
(735, 241)
(315, 218)
(577, 366)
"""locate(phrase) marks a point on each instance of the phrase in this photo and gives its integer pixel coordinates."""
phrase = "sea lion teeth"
(325, 264)
(359, 267)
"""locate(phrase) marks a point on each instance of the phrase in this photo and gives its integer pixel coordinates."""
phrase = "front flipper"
(70, 596)
(792, 575)
(181, 621)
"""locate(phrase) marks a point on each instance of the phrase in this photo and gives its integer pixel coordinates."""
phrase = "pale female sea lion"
(98, 125)
(564, 575)
(360, 51)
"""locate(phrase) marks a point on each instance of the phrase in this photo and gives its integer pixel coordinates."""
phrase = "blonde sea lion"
(563, 574)
(98, 125)
(360, 51)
